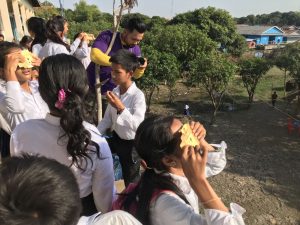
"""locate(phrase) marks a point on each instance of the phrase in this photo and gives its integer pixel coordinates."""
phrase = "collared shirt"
(17, 105)
(42, 137)
(51, 48)
(169, 208)
(36, 49)
(126, 123)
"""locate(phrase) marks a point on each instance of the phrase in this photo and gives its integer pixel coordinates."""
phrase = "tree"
(217, 24)
(162, 67)
(294, 68)
(183, 41)
(213, 71)
(84, 12)
(251, 70)
(281, 58)
(46, 11)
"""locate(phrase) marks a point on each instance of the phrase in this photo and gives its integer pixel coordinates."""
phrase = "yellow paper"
(187, 137)
(28, 59)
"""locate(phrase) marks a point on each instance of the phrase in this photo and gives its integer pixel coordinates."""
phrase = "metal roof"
(255, 30)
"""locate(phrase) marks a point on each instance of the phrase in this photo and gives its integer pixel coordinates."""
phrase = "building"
(13, 17)
(262, 35)
(291, 34)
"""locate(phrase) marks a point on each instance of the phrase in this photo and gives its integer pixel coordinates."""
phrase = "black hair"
(65, 72)
(153, 141)
(53, 26)
(5, 48)
(135, 24)
(37, 190)
(128, 60)
(25, 40)
(1, 35)
(38, 27)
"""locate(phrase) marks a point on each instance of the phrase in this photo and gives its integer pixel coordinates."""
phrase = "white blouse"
(52, 48)
(36, 49)
(42, 137)
(17, 105)
(126, 123)
(117, 217)
(169, 208)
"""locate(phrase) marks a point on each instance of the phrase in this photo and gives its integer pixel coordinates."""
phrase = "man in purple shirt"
(128, 39)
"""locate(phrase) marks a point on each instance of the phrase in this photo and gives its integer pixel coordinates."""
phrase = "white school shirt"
(126, 123)
(36, 49)
(17, 105)
(169, 208)
(83, 54)
(116, 217)
(42, 137)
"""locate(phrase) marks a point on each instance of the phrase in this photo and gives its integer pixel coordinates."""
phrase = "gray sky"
(165, 8)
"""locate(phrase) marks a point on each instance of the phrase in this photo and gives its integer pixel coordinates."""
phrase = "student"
(26, 42)
(1, 37)
(83, 51)
(37, 30)
(38, 190)
(21, 99)
(174, 181)
(65, 136)
(128, 39)
(125, 112)
(56, 29)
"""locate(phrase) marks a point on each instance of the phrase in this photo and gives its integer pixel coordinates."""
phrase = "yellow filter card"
(28, 59)
(187, 137)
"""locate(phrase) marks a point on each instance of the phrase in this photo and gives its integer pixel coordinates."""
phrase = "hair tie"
(61, 98)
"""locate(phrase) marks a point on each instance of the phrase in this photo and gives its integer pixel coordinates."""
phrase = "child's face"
(23, 75)
(119, 75)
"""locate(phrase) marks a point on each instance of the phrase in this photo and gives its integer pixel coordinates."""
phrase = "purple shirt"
(102, 42)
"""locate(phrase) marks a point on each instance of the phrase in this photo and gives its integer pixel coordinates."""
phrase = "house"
(291, 34)
(13, 17)
(262, 35)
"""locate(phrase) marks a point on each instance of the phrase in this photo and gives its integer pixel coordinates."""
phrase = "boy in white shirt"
(125, 112)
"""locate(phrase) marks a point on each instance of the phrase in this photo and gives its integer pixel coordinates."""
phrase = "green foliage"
(125, 18)
(183, 41)
(251, 70)
(162, 66)
(87, 18)
(293, 51)
(274, 18)
(217, 24)
(212, 70)
(46, 11)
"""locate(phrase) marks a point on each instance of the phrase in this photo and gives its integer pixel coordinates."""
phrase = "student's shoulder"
(28, 125)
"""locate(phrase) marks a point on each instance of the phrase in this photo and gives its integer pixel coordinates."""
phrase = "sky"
(169, 8)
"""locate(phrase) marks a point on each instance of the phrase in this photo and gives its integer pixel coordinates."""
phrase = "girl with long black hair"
(65, 136)
(37, 30)
(56, 30)
(174, 181)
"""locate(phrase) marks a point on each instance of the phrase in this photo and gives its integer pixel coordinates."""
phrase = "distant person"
(26, 42)
(274, 98)
(1, 37)
(38, 190)
(37, 30)
(186, 110)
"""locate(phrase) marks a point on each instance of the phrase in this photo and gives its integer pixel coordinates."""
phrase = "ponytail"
(54, 25)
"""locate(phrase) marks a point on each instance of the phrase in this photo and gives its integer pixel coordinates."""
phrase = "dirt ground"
(263, 160)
